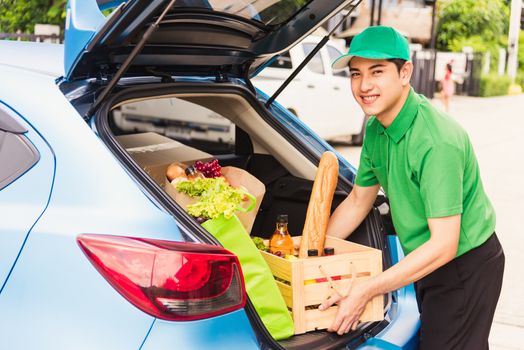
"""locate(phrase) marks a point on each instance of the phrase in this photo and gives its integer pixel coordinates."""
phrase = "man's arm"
(437, 251)
(350, 213)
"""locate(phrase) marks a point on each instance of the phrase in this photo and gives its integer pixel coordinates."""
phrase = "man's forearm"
(348, 215)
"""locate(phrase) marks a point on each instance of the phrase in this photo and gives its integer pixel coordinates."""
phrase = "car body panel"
(24, 199)
(41, 58)
(226, 332)
(65, 284)
(83, 19)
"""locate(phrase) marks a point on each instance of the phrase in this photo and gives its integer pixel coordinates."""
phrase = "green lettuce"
(216, 197)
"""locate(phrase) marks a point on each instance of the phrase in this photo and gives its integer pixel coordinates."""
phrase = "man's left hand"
(350, 308)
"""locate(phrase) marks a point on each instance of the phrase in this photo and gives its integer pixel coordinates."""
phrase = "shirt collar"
(404, 118)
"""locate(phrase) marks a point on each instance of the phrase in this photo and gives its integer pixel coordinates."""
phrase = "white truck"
(318, 95)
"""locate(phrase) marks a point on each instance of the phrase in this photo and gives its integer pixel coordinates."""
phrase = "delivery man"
(425, 163)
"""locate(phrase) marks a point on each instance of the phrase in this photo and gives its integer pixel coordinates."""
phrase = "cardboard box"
(236, 177)
(154, 152)
(304, 284)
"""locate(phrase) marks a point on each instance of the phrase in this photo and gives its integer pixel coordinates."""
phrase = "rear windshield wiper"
(123, 68)
(309, 57)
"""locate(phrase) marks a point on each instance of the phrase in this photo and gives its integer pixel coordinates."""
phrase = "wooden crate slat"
(280, 268)
(362, 262)
(316, 293)
(316, 319)
(366, 262)
(286, 292)
(297, 285)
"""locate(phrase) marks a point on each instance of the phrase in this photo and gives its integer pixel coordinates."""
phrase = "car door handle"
(310, 86)
(336, 88)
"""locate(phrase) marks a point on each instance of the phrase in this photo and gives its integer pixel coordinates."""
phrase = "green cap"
(378, 42)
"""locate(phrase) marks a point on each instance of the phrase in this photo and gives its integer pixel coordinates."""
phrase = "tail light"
(169, 280)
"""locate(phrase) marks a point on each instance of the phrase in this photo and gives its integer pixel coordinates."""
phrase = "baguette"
(319, 207)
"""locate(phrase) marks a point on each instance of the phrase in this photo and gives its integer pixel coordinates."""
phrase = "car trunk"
(284, 163)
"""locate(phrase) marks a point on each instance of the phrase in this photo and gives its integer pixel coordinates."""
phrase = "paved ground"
(496, 128)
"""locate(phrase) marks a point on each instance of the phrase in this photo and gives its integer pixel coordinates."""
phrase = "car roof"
(42, 58)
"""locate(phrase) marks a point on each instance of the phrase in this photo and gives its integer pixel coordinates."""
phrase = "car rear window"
(267, 12)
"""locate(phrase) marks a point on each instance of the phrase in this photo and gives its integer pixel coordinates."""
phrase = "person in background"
(425, 163)
(447, 86)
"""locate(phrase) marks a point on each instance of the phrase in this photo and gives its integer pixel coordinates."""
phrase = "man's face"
(378, 86)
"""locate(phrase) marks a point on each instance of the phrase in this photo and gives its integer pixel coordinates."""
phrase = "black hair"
(449, 67)
(399, 62)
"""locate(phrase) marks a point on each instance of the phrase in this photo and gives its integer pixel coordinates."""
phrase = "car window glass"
(316, 64)
(282, 61)
(177, 119)
(333, 55)
(267, 12)
(17, 153)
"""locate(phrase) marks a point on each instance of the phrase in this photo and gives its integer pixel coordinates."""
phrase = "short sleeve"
(365, 175)
(441, 175)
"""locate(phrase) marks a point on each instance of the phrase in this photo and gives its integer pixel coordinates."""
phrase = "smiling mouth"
(369, 99)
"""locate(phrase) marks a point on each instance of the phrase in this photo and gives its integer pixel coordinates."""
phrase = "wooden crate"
(304, 285)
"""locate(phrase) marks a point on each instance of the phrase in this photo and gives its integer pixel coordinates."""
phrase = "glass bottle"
(329, 251)
(281, 243)
(312, 252)
(193, 174)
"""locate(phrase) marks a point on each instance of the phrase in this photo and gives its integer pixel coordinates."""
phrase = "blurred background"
(481, 40)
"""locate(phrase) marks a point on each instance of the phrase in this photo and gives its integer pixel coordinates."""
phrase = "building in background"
(413, 18)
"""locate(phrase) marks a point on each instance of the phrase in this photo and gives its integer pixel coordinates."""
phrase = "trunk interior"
(229, 124)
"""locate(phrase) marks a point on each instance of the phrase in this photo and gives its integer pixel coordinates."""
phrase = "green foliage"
(23, 15)
(521, 52)
(494, 85)
(520, 79)
(476, 23)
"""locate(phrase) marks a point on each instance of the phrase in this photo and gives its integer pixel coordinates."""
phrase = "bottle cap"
(329, 251)
(190, 170)
(282, 219)
(312, 252)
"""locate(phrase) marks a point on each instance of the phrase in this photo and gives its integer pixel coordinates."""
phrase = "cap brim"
(342, 62)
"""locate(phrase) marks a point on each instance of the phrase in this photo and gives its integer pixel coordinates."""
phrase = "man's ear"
(405, 72)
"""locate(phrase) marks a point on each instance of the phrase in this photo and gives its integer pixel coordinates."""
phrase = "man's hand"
(437, 251)
(350, 308)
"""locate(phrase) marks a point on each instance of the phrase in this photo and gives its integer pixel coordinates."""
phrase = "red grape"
(209, 169)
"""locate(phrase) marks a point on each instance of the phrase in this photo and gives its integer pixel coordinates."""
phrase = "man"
(425, 163)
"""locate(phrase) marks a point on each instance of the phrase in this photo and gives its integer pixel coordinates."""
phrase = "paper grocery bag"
(260, 284)
(236, 177)
(239, 177)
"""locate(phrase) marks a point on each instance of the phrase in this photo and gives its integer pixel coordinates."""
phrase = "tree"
(521, 51)
(477, 23)
(23, 15)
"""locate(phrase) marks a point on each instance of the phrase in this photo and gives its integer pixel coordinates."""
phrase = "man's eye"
(355, 75)
(377, 72)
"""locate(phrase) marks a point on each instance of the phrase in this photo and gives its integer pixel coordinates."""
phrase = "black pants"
(457, 301)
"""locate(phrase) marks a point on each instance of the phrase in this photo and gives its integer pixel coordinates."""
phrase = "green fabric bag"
(260, 284)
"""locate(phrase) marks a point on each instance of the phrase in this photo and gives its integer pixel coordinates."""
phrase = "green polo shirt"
(425, 163)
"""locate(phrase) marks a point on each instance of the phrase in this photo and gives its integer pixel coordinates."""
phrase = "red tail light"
(169, 280)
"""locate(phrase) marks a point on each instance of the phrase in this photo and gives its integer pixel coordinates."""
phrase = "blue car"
(87, 230)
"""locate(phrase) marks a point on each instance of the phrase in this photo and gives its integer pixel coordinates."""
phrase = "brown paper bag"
(236, 177)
